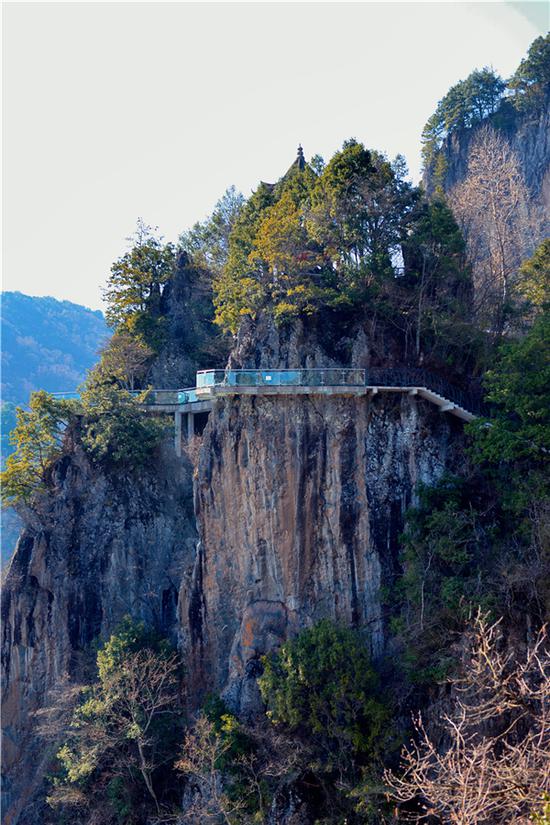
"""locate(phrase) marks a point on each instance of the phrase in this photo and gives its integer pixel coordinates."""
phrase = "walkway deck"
(212, 384)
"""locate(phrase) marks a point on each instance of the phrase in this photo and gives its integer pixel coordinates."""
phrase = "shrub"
(116, 428)
(322, 684)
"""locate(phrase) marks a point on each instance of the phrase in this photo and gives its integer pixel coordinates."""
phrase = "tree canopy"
(322, 683)
(316, 239)
(531, 81)
(208, 242)
(466, 103)
(136, 283)
(37, 440)
(484, 94)
(116, 431)
(533, 281)
(519, 386)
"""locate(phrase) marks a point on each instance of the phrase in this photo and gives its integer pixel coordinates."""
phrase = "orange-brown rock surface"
(299, 504)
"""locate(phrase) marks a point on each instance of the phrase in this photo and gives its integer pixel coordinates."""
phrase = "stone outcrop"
(299, 504)
(101, 546)
(293, 514)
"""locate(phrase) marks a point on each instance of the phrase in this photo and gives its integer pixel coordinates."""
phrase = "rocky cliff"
(299, 504)
(297, 507)
(528, 134)
(101, 546)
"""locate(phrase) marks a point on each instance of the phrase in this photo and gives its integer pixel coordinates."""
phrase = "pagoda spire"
(300, 161)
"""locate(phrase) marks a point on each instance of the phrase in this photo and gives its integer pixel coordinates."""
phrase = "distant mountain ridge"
(46, 344)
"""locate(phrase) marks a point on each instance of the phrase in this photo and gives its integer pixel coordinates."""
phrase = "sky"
(114, 111)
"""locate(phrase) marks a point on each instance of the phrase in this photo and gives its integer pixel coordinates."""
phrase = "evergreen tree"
(466, 103)
(435, 292)
(116, 430)
(135, 286)
(531, 81)
(322, 684)
(37, 440)
(534, 277)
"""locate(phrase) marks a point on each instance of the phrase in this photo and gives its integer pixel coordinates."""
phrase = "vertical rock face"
(103, 546)
(299, 504)
(529, 137)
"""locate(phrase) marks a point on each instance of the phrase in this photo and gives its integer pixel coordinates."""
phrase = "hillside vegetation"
(451, 723)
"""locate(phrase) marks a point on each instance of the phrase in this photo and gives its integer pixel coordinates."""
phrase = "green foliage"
(519, 388)
(116, 430)
(483, 540)
(434, 294)
(531, 81)
(534, 277)
(236, 292)
(135, 285)
(124, 728)
(482, 95)
(322, 684)
(446, 550)
(316, 239)
(37, 440)
(226, 725)
(360, 213)
(466, 103)
(208, 242)
(542, 817)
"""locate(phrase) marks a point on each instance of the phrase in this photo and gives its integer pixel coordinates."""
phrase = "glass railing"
(210, 378)
(333, 377)
(391, 378)
(187, 396)
(159, 398)
(329, 377)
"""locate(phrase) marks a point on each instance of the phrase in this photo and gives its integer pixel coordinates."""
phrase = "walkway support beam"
(177, 432)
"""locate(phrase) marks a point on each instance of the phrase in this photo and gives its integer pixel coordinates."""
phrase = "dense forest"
(449, 722)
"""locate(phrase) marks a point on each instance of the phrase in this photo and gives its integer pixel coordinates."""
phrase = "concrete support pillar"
(190, 426)
(177, 432)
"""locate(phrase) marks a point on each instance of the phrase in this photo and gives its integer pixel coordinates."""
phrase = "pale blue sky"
(119, 110)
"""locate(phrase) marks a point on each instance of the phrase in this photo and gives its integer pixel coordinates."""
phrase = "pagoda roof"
(298, 165)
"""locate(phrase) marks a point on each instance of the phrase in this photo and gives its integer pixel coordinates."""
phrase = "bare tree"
(204, 751)
(491, 206)
(126, 358)
(120, 730)
(270, 760)
(495, 765)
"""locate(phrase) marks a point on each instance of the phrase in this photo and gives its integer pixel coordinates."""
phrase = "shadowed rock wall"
(101, 546)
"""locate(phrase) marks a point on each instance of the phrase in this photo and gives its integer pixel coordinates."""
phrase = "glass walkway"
(186, 404)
